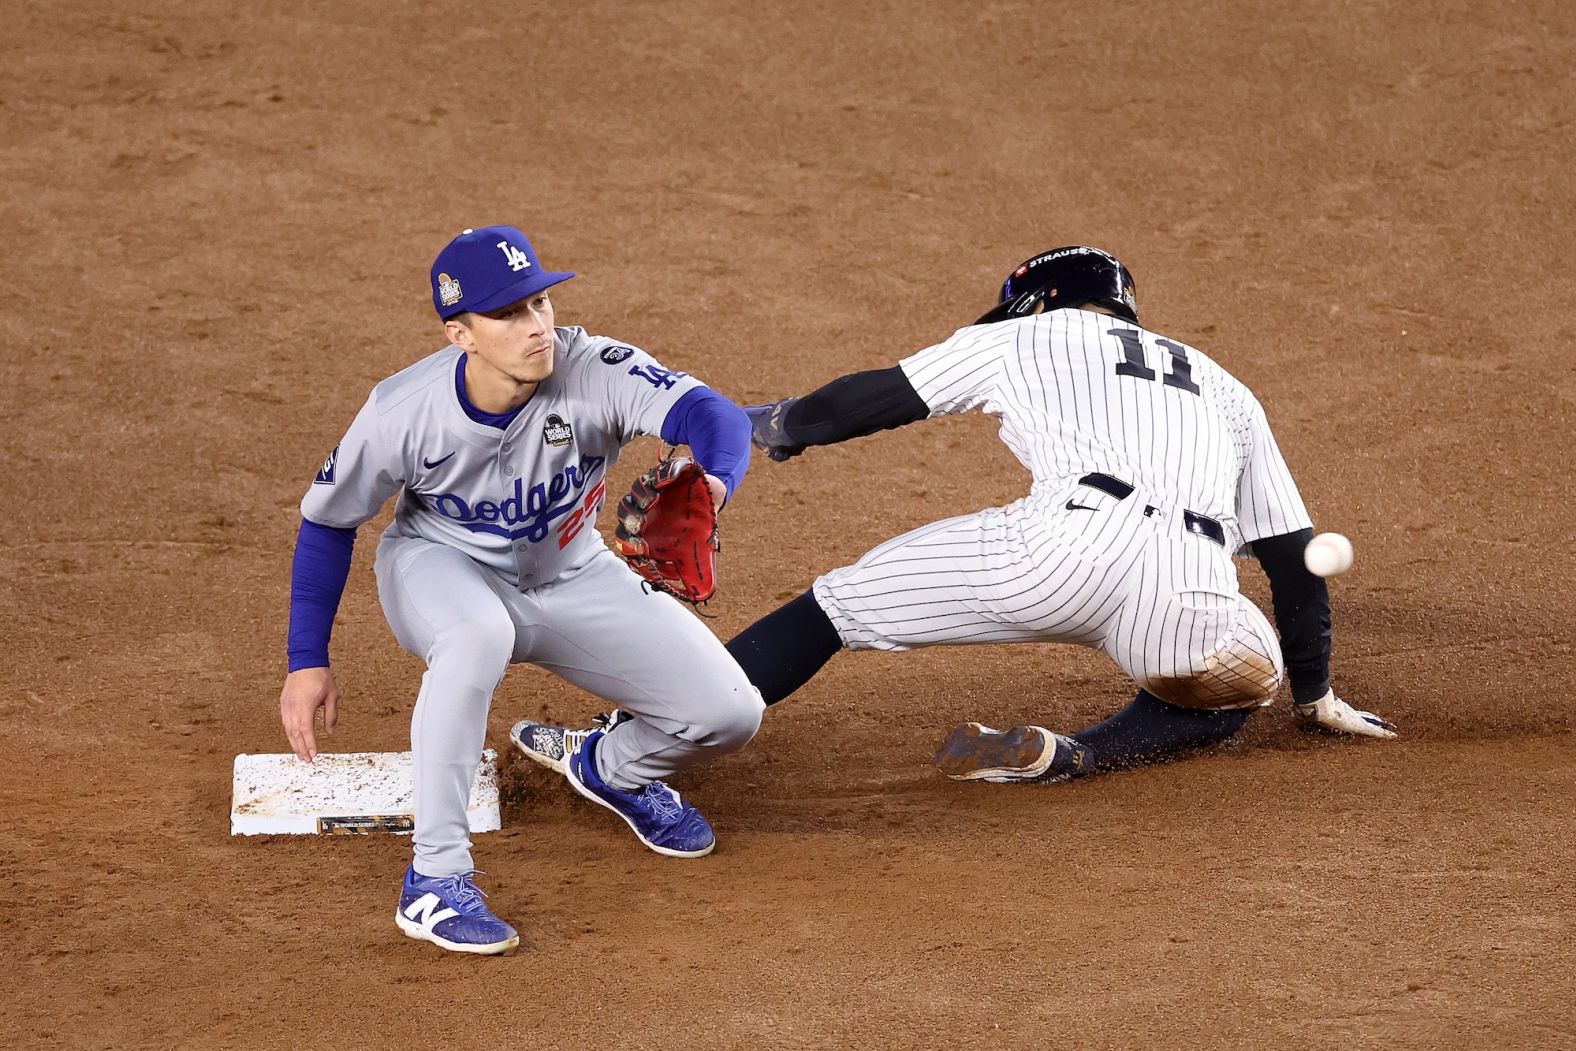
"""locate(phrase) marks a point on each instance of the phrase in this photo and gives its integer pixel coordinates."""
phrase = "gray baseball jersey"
(521, 501)
(492, 560)
(1151, 465)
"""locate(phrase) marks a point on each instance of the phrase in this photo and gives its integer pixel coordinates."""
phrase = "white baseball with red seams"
(1328, 555)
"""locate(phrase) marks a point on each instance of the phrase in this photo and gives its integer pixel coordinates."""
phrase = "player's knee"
(484, 644)
(1247, 663)
(1228, 676)
(1239, 667)
(730, 724)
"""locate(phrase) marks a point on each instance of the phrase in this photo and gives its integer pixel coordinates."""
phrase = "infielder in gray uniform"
(1151, 467)
(498, 446)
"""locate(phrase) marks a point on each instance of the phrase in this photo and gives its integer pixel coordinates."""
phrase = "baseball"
(1328, 554)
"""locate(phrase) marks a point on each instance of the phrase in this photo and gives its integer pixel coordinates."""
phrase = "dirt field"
(217, 225)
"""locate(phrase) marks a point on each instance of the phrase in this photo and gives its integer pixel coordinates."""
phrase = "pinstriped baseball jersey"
(1151, 464)
(1080, 392)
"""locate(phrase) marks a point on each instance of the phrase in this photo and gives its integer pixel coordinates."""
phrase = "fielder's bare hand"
(1331, 713)
(307, 690)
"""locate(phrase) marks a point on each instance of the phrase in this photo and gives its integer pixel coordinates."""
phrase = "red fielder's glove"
(667, 530)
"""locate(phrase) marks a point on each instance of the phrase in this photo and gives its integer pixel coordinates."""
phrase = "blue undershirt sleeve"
(716, 430)
(317, 580)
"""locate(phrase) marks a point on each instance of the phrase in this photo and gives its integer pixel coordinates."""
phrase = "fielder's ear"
(459, 332)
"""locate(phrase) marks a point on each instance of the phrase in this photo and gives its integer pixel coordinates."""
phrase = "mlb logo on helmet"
(486, 269)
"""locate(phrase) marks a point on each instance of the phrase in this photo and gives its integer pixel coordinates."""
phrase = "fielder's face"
(513, 342)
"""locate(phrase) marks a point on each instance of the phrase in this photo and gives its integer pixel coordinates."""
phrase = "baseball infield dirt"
(217, 222)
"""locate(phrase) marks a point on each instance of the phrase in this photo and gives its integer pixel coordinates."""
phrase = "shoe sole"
(415, 930)
(975, 752)
(575, 783)
(559, 765)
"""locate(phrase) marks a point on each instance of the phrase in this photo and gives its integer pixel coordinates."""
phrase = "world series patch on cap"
(486, 269)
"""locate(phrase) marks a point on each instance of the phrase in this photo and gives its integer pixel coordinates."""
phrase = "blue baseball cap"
(485, 269)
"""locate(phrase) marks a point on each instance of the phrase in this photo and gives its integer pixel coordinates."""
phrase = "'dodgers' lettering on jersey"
(527, 513)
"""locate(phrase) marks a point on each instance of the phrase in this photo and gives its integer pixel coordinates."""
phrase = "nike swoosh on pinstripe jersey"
(1080, 507)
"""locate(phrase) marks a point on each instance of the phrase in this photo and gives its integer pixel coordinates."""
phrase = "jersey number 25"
(581, 515)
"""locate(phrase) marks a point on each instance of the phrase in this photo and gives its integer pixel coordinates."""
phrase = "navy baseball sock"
(1151, 731)
(784, 649)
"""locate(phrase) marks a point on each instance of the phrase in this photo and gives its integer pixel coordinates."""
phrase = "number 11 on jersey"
(1179, 371)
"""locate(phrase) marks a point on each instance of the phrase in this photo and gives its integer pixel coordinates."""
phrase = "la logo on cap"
(466, 275)
(516, 259)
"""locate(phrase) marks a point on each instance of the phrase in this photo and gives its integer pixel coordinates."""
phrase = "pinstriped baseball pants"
(1159, 600)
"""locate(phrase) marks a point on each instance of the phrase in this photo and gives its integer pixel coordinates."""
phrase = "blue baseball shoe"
(659, 818)
(449, 912)
(551, 746)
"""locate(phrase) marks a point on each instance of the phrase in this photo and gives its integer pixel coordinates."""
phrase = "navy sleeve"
(853, 406)
(317, 580)
(716, 430)
(1302, 612)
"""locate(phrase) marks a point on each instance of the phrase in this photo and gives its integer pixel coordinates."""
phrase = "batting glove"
(1331, 713)
(768, 430)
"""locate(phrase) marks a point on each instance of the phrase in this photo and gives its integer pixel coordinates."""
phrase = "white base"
(350, 792)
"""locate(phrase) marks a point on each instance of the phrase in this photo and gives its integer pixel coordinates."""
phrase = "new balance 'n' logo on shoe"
(427, 911)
